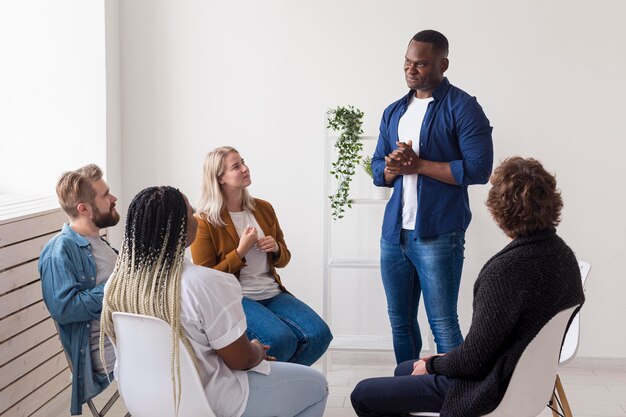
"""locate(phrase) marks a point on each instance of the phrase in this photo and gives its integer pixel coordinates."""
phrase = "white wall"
(52, 91)
(114, 167)
(198, 74)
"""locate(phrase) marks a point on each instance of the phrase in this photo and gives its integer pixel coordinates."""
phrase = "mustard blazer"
(215, 246)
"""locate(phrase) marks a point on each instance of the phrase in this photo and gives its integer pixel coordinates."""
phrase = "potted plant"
(379, 193)
(348, 122)
(366, 164)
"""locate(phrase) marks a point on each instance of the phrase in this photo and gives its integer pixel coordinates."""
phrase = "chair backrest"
(144, 376)
(532, 381)
(570, 344)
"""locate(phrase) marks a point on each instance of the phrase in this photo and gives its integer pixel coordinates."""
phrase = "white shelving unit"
(332, 264)
(333, 267)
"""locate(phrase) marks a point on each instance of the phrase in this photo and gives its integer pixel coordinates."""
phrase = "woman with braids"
(203, 307)
(241, 235)
(517, 292)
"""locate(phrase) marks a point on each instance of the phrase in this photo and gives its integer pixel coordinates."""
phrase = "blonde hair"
(74, 187)
(147, 275)
(211, 201)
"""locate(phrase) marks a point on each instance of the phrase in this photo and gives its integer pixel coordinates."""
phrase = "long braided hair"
(147, 274)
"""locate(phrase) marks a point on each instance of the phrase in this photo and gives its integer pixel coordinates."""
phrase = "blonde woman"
(240, 235)
(203, 307)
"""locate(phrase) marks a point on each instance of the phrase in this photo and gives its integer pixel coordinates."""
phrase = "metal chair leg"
(93, 409)
(107, 406)
(109, 403)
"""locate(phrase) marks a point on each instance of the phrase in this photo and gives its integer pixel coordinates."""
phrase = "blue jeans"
(400, 394)
(289, 390)
(431, 266)
(294, 332)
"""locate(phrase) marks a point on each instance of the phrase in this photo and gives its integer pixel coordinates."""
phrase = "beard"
(103, 220)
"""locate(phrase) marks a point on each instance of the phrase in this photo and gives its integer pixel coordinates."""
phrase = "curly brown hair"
(523, 198)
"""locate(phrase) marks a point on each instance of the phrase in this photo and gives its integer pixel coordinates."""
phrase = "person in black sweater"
(516, 293)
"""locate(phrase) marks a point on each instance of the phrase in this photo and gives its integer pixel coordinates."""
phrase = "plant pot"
(381, 193)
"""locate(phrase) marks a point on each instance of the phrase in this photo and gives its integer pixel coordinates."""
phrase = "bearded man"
(74, 266)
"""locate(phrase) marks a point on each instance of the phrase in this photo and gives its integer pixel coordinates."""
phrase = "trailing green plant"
(347, 121)
(366, 164)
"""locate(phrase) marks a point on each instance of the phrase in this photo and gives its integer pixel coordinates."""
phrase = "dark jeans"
(400, 394)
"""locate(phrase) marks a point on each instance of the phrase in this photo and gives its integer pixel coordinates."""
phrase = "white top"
(256, 281)
(212, 318)
(409, 129)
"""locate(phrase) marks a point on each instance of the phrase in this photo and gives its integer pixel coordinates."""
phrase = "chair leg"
(106, 408)
(567, 411)
(553, 403)
(109, 403)
(93, 409)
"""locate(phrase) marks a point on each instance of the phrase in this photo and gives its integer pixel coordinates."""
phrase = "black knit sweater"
(517, 292)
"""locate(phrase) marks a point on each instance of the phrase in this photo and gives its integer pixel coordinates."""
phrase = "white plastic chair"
(532, 383)
(568, 352)
(570, 344)
(143, 370)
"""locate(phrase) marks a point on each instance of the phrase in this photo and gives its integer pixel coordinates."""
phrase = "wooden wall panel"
(40, 396)
(18, 276)
(33, 368)
(58, 405)
(19, 299)
(31, 227)
(19, 253)
(28, 361)
(22, 320)
(32, 380)
(14, 347)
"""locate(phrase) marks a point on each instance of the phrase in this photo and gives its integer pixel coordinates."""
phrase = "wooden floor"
(595, 387)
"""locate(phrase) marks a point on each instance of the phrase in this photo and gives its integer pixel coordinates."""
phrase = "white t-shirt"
(409, 129)
(212, 318)
(255, 279)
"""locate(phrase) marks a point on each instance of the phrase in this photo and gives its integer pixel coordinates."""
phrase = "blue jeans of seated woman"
(430, 266)
(294, 332)
(289, 390)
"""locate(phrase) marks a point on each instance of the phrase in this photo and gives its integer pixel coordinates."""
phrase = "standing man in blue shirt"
(74, 265)
(433, 143)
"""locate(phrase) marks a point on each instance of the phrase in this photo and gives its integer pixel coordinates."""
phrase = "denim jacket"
(68, 280)
(455, 130)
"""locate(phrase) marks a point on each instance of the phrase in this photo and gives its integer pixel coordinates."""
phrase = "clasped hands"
(419, 366)
(250, 237)
(403, 160)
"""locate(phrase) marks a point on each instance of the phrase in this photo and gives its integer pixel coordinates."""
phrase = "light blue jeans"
(290, 390)
(294, 332)
(431, 266)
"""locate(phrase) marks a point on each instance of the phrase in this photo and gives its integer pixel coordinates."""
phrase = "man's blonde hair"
(76, 187)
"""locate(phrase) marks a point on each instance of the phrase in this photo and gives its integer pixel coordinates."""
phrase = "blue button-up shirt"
(68, 280)
(455, 130)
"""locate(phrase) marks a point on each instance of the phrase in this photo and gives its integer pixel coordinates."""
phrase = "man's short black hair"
(436, 39)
